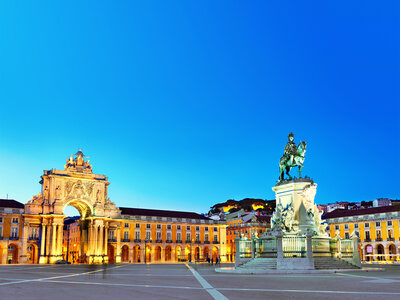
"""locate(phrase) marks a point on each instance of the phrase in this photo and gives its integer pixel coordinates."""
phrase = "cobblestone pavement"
(179, 281)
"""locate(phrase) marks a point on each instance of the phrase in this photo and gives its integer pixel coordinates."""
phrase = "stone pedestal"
(295, 207)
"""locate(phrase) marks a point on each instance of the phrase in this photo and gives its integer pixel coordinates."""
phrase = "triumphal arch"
(79, 187)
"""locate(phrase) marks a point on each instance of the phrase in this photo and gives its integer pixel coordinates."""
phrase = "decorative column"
(60, 240)
(90, 239)
(100, 241)
(42, 259)
(106, 240)
(48, 236)
(25, 232)
(53, 243)
(95, 239)
(118, 256)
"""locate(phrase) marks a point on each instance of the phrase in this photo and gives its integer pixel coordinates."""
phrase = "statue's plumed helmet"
(291, 134)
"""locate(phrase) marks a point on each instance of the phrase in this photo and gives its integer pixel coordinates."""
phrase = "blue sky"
(183, 105)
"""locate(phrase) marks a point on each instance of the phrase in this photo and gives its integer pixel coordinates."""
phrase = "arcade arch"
(392, 252)
(111, 254)
(136, 254)
(206, 253)
(178, 253)
(368, 252)
(380, 251)
(214, 253)
(157, 256)
(32, 254)
(168, 253)
(148, 254)
(125, 254)
(197, 253)
(188, 253)
(12, 255)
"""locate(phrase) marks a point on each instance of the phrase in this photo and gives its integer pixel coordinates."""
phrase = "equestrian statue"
(293, 156)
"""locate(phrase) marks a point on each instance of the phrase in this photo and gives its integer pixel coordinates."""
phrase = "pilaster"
(42, 258)
(118, 250)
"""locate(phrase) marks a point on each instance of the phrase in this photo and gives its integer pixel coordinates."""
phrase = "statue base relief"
(296, 212)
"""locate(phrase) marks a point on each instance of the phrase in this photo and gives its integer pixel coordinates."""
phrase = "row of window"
(14, 220)
(231, 232)
(169, 227)
(368, 236)
(366, 225)
(169, 236)
(14, 232)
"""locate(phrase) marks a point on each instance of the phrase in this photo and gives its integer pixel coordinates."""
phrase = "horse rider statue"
(290, 149)
(293, 156)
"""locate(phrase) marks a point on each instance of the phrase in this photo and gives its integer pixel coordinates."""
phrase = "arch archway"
(380, 251)
(136, 254)
(392, 252)
(168, 254)
(125, 253)
(157, 256)
(197, 253)
(78, 232)
(111, 254)
(188, 253)
(148, 254)
(32, 254)
(369, 253)
(214, 253)
(12, 255)
(84, 207)
(178, 253)
(206, 253)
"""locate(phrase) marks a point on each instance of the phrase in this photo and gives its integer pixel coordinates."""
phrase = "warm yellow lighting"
(228, 208)
(255, 206)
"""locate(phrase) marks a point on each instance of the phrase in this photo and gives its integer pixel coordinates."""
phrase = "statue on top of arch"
(78, 163)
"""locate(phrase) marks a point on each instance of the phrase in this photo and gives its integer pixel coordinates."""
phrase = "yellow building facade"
(104, 232)
(11, 224)
(244, 226)
(376, 227)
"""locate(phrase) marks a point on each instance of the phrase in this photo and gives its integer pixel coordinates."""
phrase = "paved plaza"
(173, 281)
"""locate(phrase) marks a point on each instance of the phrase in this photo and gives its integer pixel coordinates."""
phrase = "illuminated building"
(104, 233)
(376, 227)
(10, 231)
(244, 225)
